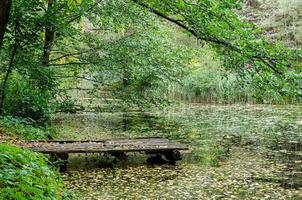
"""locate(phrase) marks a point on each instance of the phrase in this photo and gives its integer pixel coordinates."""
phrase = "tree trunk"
(48, 38)
(5, 7)
(4, 83)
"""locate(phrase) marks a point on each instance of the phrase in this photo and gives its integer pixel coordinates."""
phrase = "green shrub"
(23, 128)
(26, 99)
(212, 85)
(25, 175)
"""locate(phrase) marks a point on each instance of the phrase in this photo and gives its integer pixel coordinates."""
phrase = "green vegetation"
(136, 55)
(206, 82)
(27, 175)
(24, 129)
(139, 56)
(23, 173)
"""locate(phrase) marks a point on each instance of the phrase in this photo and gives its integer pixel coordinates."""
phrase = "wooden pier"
(162, 148)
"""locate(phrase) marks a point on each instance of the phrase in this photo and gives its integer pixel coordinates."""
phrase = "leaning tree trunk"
(4, 83)
(5, 7)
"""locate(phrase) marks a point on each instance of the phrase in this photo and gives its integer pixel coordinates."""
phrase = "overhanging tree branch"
(75, 17)
(70, 63)
(265, 59)
(79, 77)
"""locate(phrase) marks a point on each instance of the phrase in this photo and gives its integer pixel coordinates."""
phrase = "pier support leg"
(164, 157)
(172, 156)
(61, 160)
(156, 160)
(119, 155)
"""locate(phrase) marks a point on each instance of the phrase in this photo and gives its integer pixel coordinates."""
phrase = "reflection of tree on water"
(146, 122)
(133, 121)
(125, 121)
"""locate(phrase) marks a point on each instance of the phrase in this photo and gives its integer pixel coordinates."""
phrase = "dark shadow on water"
(94, 161)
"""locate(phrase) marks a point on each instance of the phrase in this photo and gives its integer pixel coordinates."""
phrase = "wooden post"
(60, 160)
(172, 156)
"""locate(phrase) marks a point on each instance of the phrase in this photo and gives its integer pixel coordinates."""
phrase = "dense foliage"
(27, 175)
(24, 129)
(133, 52)
(65, 56)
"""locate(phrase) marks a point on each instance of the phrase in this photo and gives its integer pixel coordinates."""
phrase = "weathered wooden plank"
(146, 149)
(100, 148)
(104, 148)
(109, 142)
(83, 144)
(157, 139)
(112, 145)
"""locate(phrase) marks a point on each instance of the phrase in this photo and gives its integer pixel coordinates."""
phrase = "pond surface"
(235, 153)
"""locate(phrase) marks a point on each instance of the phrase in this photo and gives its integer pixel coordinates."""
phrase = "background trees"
(137, 53)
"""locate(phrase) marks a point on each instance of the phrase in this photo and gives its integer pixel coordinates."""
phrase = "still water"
(234, 153)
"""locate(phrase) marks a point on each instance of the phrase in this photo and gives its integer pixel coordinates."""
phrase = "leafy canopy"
(128, 47)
